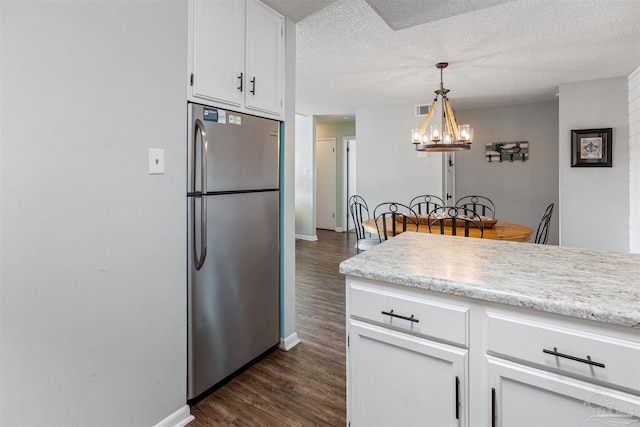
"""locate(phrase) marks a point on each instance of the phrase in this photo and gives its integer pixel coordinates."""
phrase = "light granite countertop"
(596, 285)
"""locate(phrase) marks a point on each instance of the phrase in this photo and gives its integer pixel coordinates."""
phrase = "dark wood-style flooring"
(305, 386)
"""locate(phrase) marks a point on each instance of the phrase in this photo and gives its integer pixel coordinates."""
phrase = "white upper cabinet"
(218, 51)
(264, 33)
(236, 56)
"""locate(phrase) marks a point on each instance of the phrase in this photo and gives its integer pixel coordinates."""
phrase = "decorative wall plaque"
(506, 151)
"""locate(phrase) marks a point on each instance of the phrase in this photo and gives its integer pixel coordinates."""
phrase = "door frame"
(346, 155)
(449, 178)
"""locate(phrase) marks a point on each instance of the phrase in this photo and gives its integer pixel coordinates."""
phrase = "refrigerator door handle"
(203, 157)
(199, 260)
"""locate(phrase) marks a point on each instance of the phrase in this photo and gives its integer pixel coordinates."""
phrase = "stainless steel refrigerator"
(233, 243)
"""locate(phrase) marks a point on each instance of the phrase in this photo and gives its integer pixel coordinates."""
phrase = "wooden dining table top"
(500, 231)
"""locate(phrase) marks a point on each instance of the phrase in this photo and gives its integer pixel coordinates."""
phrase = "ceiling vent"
(422, 110)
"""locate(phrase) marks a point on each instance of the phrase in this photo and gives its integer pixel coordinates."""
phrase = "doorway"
(326, 183)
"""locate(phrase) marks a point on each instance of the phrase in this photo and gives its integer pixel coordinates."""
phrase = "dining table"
(499, 231)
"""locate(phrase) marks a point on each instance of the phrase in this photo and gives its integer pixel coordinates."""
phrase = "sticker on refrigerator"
(214, 115)
(235, 120)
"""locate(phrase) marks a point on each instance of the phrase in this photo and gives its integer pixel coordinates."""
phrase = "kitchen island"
(449, 330)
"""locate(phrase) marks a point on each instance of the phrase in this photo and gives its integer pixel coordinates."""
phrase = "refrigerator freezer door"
(233, 300)
(242, 150)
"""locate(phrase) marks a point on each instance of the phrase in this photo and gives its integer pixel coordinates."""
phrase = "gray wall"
(92, 266)
(305, 206)
(338, 131)
(389, 168)
(520, 191)
(594, 202)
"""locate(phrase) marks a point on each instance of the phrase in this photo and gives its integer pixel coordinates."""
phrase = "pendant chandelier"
(446, 135)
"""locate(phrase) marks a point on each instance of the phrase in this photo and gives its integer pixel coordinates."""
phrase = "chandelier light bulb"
(435, 134)
(415, 136)
(465, 133)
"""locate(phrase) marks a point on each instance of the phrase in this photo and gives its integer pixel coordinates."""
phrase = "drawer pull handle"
(392, 314)
(457, 398)
(588, 360)
(493, 407)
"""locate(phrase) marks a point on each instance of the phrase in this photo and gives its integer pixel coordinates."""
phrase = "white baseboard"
(289, 342)
(338, 230)
(180, 418)
(306, 237)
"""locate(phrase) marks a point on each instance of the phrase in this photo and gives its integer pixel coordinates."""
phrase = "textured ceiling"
(400, 14)
(352, 54)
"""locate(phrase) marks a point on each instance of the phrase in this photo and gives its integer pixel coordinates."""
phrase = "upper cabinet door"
(218, 50)
(264, 46)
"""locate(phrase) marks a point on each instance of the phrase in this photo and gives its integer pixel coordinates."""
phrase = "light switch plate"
(156, 161)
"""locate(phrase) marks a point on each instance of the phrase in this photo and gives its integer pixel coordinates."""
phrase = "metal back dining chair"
(456, 217)
(425, 203)
(394, 218)
(481, 205)
(542, 234)
(359, 213)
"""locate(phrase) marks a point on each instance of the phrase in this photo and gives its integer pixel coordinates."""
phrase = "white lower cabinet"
(407, 358)
(523, 396)
(397, 379)
(543, 373)
(418, 357)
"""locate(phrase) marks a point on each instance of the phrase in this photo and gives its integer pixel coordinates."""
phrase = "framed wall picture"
(591, 147)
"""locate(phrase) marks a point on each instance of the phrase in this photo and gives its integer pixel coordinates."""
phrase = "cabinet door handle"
(253, 86)
(493, 407)
(588, 360)
(392, 314)
(457, 398)
(241, 78)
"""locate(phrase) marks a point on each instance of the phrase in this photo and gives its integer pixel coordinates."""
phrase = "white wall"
(388, 165)
(520, 190)
(634, 161)
(305, 207)
(92, 274)
(288, 306)
(594, 202)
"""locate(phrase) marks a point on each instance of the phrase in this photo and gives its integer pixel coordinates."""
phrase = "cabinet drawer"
(418, 316)
(578, 352)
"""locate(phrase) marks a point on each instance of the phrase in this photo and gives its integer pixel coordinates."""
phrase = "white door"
(349, 172)
(326, 183)
(402, 380)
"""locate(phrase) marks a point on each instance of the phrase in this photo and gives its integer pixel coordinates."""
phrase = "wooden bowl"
(425, 219)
